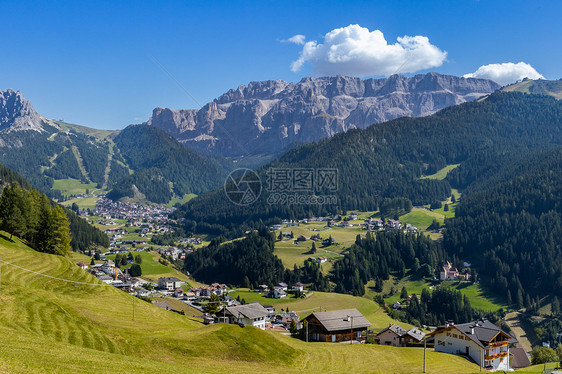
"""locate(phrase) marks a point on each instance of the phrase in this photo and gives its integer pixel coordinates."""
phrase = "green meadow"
(48, 325)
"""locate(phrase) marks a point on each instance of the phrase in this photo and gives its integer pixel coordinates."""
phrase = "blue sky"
(88, 62)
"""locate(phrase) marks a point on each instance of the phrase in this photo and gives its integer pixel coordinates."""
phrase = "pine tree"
(61, 232)
(404, 293)
(92, 262)
(11, 217)
(555, 307)
(135, 270)
(509, 300)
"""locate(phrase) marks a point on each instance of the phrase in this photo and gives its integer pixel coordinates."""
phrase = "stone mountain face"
(17, 114)
(267, 117)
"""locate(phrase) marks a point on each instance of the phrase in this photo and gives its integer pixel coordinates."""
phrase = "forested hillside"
(387, 160)
(29, 214)
(163, 166)
(511, 227)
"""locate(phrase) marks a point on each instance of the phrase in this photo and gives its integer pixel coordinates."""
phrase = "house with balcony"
(482, 341)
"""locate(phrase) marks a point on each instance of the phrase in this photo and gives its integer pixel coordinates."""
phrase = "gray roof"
(395, 329)
(484, 331)
(338, 319)
(252, 310)
(416, 334)
(519, 358)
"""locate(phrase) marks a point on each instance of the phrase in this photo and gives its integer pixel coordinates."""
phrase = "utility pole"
(424, 349)
(351, 329)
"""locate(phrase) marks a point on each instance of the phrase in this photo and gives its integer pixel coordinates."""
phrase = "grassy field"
(441, 174)
(421, 218)
(479, 297)
(47, 325)
(73, 186)
(82, 202)
(181, 200)
(292, 254)
(150, 264)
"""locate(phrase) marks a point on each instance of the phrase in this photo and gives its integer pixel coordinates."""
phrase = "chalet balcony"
(499, 344)
(496, 355)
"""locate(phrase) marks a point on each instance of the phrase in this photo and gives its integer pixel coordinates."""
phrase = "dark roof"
(519, 358)
(338, 320)
(484, 331)
(170, 279)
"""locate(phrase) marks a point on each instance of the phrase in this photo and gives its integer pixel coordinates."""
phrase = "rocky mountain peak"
(269, 116)
(17, 113)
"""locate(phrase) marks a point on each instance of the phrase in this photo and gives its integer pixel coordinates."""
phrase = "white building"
(253, 314)
(482, 341)
(169, 283)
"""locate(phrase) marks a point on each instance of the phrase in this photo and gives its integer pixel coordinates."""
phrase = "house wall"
(389, 338)
(457, 345)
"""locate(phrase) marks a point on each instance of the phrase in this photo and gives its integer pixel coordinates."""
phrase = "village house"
(390, 335)
(448, 272)
(298, 287)
(283, 286)
(396, 336)
(169, 283)
(253, 314)
(321, 259)
(336, 326)
(277, 293)
(482, 341)
(82, 266)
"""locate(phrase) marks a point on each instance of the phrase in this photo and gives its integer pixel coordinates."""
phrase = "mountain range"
(269, 117)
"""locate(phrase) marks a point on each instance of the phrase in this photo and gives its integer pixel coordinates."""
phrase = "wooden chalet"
(335, 326)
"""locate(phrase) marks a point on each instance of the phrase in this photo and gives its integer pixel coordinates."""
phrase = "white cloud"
(505, 73)
(356, 51)
(296, 39)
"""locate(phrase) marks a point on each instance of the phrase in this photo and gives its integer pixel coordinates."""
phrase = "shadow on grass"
(6, 238)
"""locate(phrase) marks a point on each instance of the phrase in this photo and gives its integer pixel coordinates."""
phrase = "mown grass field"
(73, 186)
(150, 264)
(422, 218)
(47, 325)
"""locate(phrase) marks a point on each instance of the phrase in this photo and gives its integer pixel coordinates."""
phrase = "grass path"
(512, 319)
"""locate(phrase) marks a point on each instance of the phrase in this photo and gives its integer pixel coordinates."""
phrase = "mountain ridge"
(265, 117)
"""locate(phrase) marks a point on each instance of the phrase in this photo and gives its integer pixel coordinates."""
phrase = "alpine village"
(376, 203)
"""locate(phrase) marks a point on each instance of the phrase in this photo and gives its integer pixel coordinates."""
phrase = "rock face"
(267, 117)
(17, 114)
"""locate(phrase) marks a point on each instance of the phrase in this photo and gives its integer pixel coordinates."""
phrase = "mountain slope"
(158, 160)
(537, 87)
(51, 326)
(387, 160)
(43, 151)
(268, 117)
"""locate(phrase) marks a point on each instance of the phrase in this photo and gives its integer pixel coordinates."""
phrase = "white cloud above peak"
(357, 51)
(505, 73)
